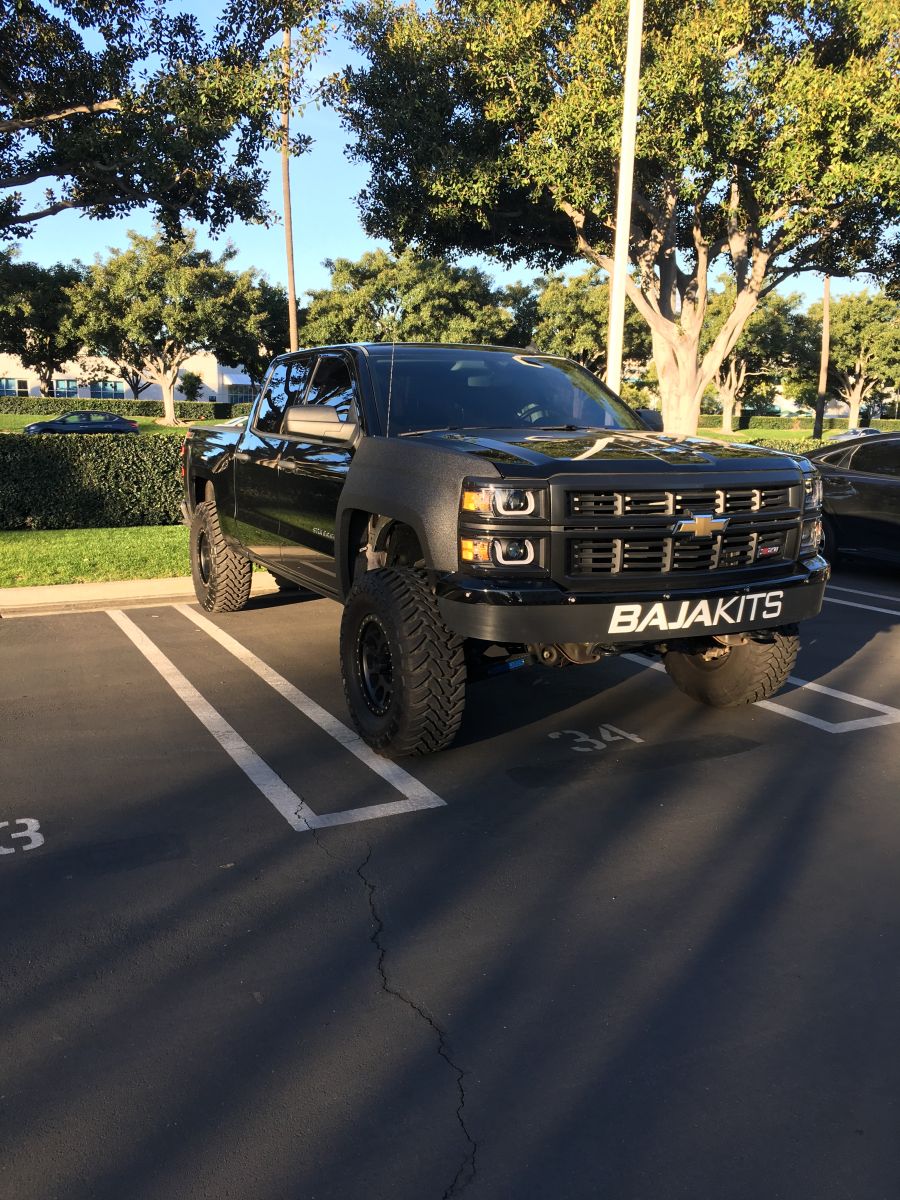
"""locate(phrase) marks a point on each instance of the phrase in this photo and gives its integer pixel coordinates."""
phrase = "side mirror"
(318, 421)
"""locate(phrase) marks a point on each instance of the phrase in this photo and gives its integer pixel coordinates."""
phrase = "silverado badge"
(702, 525)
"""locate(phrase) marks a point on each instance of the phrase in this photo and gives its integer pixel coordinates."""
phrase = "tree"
(110, 107)
(865, 347)
(767, 140)
(253, 347)
(152, 306)
(573, 315)
(408, 298)
(190, 385)
(772, 343)
(34, 304)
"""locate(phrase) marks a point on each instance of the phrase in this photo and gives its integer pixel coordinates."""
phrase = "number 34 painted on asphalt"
(586, 744)
(30, 833)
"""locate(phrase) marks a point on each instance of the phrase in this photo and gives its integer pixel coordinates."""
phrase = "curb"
(119, 593)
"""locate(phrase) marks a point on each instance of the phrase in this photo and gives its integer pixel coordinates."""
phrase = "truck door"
(311, 477)
(257, 503)
(875, 507)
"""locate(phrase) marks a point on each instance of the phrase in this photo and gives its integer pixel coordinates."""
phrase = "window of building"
(13, 387)
(67, 389)
(241, 393)
(107, 389)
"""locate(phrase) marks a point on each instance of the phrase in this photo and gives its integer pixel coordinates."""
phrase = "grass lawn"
(32, 557)
(16, 422)
(746, 435)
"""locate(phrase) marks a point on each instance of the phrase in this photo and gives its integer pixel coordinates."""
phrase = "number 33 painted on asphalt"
(31, 832)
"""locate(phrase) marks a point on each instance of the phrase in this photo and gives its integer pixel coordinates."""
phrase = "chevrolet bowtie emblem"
(702, 525)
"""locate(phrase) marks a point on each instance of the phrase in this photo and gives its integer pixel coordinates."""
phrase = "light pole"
(286, 190)
(623, 206)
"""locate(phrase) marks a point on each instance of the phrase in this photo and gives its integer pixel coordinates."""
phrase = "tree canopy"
(768, 141)
(34, 305)
(408, 298)
(865, 347)
(150, 307)
(109, 107)
(572, 317)
(253, 346)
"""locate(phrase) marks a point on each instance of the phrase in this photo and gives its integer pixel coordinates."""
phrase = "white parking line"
(297, 814)
(886, 714)
(891, 612)
(292, 807)
(833, 587)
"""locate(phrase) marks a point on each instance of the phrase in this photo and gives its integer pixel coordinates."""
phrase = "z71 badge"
(743, 610)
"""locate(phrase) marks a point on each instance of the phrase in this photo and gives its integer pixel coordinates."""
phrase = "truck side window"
(286, 386)
(333, 384)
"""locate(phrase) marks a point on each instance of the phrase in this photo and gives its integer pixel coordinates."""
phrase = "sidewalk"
(121, 593)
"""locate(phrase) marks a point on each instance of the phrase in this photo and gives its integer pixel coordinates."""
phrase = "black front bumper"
(541, 612)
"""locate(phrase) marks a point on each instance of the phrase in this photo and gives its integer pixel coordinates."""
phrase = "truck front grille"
(624, 533)
(643, 554)
(722, 501)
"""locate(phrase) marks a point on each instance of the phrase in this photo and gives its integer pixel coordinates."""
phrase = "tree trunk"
(727, 400)
(727, 388)
(854, 397)
(133, 380)
(680, 383)
(168, 391)
(45, 379)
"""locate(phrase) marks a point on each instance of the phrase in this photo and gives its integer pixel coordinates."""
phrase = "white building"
(74, 389)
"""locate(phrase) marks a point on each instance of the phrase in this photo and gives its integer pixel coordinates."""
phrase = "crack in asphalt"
(466, 1172)
(465, 1175)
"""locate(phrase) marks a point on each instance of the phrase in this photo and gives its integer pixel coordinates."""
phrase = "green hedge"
(185, 410)
(800, 445)
(56, 481)
(800, 421)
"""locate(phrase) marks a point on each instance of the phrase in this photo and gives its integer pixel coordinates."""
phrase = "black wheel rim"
(204, 556)
(374, 665)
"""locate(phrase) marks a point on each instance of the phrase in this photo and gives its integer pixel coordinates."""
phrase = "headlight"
(498, 552)
(811, 536)
(812, 490)
(500, 501)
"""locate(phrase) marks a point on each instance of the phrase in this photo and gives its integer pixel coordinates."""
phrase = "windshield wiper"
(437, 429)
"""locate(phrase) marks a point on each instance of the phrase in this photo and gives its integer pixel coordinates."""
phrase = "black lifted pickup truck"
(478, 508)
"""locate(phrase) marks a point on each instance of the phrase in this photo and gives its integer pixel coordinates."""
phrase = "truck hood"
(546, 452)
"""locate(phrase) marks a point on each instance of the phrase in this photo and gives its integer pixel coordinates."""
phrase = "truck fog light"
(514, 501)
(475, 550)
(513, 552)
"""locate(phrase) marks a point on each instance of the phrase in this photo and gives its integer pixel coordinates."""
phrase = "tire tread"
(434, 668)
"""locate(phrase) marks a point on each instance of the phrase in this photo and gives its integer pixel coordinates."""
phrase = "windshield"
(458, 387)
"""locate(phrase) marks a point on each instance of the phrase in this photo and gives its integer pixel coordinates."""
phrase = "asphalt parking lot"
(610, 944)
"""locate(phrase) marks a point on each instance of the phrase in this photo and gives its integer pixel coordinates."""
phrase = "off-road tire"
(221, 578)
(746, 674)
(412, 703)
